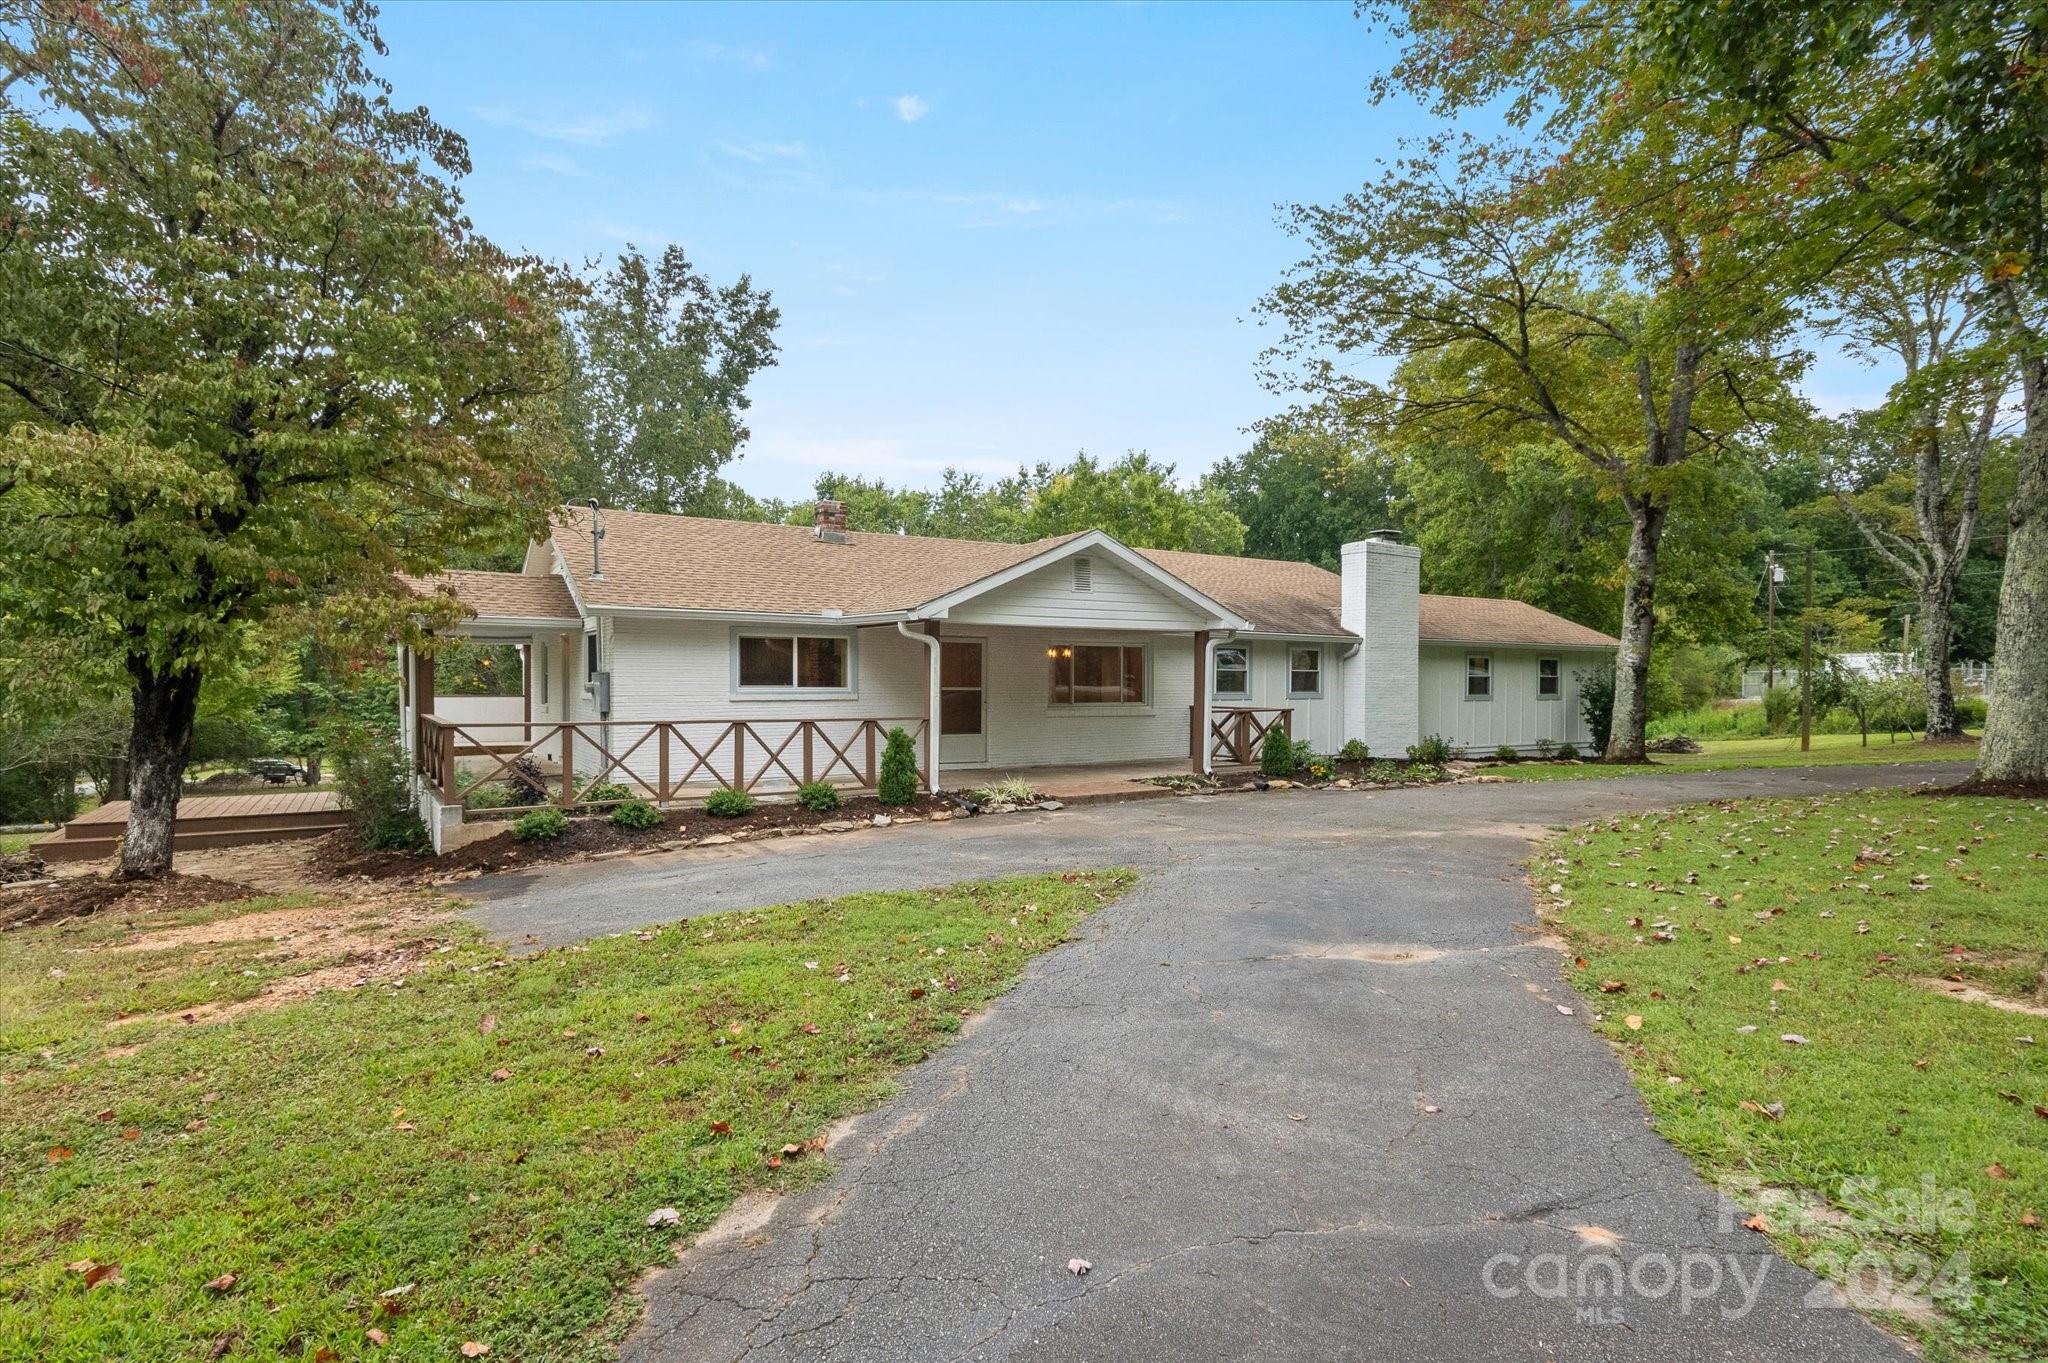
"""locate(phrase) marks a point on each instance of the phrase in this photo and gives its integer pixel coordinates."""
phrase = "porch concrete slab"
(1074, 784)
(1267, 1143)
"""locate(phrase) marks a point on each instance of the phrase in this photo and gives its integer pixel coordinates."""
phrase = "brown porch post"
(1198, 721)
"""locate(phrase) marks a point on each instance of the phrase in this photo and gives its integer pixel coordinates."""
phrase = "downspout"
(931, 700)
(1208, 681)
(1344, 694)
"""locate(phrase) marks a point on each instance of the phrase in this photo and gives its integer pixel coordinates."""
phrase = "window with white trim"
(1479, 677)
(1549, 678)
(1097, 674)
(1304, 673)
(792, 662)
(1233, 672)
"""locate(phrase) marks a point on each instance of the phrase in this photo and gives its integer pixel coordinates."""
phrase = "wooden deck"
(204, 821)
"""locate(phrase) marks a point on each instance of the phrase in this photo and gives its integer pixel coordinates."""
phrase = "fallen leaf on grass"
(222, 1283)
(107, 1275)
(664, 1216)
(1996, 1171)
(487, 1024)
(472, 1349)
(376, 1336)
(1757, 1224)
(1794, 1039)
(501, 1075)
(2029, 1220)
(721, 1128)
(58, 1154)
(1612, 986)
(1634, 1022)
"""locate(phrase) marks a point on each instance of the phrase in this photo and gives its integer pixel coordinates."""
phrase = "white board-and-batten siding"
(1515, 715)
(1319, 719)
(1113, 597)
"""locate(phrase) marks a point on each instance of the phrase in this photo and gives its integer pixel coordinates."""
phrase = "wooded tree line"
(255, 358)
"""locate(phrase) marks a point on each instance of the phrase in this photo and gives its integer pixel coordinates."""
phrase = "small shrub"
(1567, 752)
(728, 804)
(1506, 753)
(1421, 772)
(526, 783)
(897, 784)
(543, 825)
(1011, 790)
(1544, 749)
(1596, 703)
(1355, 751)
(1781, 709)
(1434, 749)
(374, 784)
(604, 793)
(1383, 771)
(476, 795)
(820, 797)
(1276, 753)
(634, 814)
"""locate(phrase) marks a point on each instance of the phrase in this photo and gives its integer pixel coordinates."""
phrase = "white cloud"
(751, 58)
(587, 129)
(760, 153)
(910, 108)
(554, 163)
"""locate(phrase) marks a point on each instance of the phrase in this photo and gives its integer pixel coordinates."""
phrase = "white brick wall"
(1381, 599)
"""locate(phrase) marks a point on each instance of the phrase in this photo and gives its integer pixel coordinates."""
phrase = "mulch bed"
(588, 835)
(80, 896)
(2001, 790)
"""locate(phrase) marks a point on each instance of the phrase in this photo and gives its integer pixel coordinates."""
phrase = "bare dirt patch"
(82, 896)
(1970, 993)
(342, 945)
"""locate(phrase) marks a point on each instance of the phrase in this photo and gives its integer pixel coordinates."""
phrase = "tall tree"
(660, 360)
(1911, 476)
(251, 351)
(1931, 119)
(1607, 301)
(1304, 489)
(1138, 501)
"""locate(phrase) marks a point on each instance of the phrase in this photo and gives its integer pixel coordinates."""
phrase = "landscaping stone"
(940, 816)
(1052, 804)
(1279, 784)
(839, 825)
(717, 840)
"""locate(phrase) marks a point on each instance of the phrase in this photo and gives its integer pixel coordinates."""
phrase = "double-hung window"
(1233, 672)
(1549, 679)
(792, 662)
(1304, 673)
(1097, 674)
(1479, 677)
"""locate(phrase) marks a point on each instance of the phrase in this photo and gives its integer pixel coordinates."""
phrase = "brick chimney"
(829, 522)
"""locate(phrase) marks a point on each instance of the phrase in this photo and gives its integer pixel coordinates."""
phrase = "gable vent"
(1083, 575)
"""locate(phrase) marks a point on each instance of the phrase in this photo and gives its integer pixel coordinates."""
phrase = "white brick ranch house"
(672, 654)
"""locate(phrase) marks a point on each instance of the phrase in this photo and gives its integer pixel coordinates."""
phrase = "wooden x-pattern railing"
(737, 754)
(1236, 732)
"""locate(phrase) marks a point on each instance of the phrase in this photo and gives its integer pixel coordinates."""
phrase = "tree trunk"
(2015, 744)
(1627, 739)
(159, 746)
(1935, 600)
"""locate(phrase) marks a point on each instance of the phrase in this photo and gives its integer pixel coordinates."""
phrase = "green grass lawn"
(470, 1157)
(1813, 918)
(1728, 754)
(10, 843)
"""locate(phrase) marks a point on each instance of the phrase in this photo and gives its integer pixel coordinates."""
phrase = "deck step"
(60, 847)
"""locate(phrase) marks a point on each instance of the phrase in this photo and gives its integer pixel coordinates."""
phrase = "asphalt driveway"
(1305, 1093)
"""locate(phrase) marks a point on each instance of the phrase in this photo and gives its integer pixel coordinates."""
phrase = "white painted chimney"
(1382, 596)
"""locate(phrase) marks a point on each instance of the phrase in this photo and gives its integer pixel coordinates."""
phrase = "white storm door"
(963, 710)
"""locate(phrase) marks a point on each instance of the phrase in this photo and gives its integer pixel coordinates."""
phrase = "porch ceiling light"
(1052, 653)
(1066, 652)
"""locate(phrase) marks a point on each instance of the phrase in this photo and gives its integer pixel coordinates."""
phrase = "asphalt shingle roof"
(697, 563)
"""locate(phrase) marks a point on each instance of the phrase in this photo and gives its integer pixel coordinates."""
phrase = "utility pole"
(1806, 665)
(1770, 618)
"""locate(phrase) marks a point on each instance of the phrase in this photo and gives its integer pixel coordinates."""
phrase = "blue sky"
(997, 234)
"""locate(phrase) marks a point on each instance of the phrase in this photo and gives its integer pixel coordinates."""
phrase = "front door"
(963, 739)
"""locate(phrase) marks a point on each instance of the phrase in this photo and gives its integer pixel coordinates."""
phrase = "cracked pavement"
(1219, 1100)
